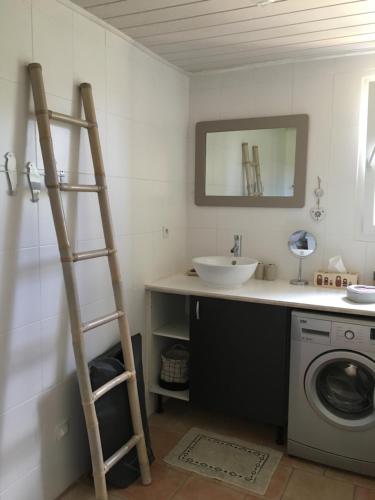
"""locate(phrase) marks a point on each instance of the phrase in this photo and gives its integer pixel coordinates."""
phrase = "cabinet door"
(240, 358)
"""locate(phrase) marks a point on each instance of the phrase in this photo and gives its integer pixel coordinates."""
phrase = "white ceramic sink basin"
(225, 272)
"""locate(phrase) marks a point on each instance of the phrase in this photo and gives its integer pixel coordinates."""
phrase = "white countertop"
(279, 292)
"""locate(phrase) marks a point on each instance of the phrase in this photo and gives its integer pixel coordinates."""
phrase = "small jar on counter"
(270, 272)
(259, 271)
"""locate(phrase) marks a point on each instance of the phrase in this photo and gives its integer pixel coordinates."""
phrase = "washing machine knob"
(349, 335)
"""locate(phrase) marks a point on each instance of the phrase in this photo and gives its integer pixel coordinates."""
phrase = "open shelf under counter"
(178, 329)
(156, 389)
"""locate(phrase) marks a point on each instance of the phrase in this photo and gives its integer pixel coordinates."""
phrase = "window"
(366, 162)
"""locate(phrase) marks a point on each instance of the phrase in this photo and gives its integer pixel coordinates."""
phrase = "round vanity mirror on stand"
(302, 244)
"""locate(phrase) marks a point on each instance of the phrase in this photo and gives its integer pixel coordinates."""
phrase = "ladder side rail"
(52, 184)
(127, 348)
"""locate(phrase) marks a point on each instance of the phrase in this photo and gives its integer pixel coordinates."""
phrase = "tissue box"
(335, 280)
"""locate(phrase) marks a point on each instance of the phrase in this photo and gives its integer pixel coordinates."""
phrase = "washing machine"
(332, 391)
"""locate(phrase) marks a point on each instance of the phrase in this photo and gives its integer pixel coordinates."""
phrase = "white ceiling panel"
(199, 35)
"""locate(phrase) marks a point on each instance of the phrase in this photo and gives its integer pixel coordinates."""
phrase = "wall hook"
(34, 180)
(10, 170)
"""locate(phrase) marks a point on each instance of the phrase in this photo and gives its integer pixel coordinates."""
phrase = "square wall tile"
(93, 275)
(176, 211)
(19, 221)
(121, 197)
(19, 288)
(20, 437)
(120, 67)
(53, 295)
(102, 338)
(143, 259)
(147, 203)
(125, 249)
(89, 57)
(59, 465)
(57, 352)
(53, 46)
(89, 222)
(20, 365)
(29, 486)
(201, 242)
(83, 162)
(151, 145)
(346, 99)
(120, 146)
(15, 39)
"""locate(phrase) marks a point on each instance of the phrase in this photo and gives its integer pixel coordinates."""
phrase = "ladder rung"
(86, 188)
(101, 321)
(112, 384)
(60, 117)
(92, 254)
(111, 461)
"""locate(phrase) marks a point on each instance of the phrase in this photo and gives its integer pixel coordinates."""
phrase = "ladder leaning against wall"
(68, 258)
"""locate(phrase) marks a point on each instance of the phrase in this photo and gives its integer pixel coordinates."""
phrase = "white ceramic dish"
(225, 272)
(361, 293)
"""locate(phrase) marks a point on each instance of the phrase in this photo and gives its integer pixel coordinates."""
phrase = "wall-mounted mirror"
(253, 162)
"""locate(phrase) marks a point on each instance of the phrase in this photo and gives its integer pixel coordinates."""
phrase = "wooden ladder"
(68, 258)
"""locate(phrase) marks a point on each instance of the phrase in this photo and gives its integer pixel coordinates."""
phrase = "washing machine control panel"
(327, 330)
(352, 335)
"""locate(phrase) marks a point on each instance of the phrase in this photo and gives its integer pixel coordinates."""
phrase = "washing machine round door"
(340, 386)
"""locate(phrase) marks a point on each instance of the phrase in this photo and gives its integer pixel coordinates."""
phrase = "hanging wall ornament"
(318, 213)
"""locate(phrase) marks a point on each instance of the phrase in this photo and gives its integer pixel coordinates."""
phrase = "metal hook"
(10, 170)
(33, 176)
(34, 180)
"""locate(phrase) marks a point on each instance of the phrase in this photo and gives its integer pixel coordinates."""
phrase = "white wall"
(329, 92)
(143, 111)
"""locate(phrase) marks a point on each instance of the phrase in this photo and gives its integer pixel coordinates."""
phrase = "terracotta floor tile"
(188, 417)
(79, 491)
(299, 463)
(278, 483)
(201, 489)
(165, 482)
(163, 441)
(257, 433)
(307, 486)
(364, 494)
(175, 417)
(84, 490)
(342, 475)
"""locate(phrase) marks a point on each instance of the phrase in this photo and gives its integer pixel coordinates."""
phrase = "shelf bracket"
(10, 170)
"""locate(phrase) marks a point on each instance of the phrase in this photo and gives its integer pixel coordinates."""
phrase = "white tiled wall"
(142, 107)
(329, 92)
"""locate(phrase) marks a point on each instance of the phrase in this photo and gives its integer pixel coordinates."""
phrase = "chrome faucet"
(236, 250)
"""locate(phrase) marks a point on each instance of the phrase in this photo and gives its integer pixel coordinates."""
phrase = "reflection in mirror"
(251, 162)
(302, 244)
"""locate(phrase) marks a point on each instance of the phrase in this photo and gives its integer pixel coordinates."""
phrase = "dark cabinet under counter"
(240, 358)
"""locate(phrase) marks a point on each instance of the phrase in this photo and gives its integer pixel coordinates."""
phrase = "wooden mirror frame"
(299, 122)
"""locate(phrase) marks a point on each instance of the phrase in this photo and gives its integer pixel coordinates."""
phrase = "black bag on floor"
(113, 412)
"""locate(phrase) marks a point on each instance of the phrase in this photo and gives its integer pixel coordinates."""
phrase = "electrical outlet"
(61, 430)
(165, 232)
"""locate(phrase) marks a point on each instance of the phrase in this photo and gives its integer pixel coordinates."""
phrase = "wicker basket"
(174, 374)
